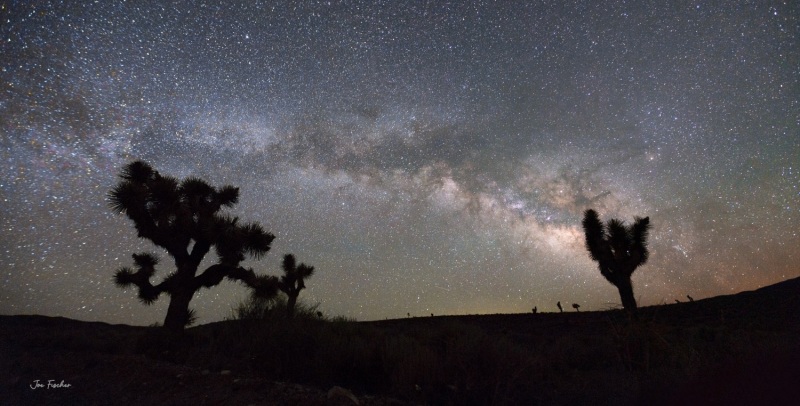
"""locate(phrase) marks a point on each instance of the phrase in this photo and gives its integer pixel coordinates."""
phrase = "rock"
(225, 372)
(341, 396)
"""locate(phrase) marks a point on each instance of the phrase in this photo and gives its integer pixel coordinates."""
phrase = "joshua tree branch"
(262, 285)
(200, 249)
(148, 293)
(213, 275)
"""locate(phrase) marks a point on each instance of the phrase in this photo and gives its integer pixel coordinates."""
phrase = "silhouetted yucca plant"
(293, 281)
(618, 250)
(183, 218)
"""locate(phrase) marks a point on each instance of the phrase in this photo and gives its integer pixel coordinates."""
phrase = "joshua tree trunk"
(178, 311)
(626, 294)
(290, 303)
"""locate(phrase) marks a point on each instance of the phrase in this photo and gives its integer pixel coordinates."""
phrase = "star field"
(425, 157)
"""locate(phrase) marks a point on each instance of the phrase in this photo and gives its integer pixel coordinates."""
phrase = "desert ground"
(736, 349)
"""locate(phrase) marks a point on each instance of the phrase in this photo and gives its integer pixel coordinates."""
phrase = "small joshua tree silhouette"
(690, 298)
(559, 307)
(534, 310)
(576, 306)
(293, 281)
(618, 250)
(183, 218)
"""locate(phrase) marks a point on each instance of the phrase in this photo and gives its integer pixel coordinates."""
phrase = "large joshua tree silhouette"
(183, 218)
(293, 280)
(618, 249)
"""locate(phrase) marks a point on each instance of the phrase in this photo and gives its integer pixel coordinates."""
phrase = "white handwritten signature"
(51, 384)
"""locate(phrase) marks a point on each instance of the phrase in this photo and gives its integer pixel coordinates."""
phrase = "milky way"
(425, 157)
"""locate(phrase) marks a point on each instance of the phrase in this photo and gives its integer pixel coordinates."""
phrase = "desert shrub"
(436, 362)
(257, 308)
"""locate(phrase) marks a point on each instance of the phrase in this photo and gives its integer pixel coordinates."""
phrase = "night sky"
(425, 157)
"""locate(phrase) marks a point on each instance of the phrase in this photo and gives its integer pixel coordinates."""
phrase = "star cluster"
(425, 157)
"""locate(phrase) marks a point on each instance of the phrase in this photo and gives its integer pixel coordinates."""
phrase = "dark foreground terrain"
(737, 349)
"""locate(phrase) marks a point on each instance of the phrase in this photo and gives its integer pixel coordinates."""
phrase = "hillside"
(735, 349)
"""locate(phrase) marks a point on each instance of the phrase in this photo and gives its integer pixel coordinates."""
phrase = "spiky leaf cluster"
(293, 278)
(237, 240)
(145, 269)
(173, 213)
(167, 211)
(619, 249)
